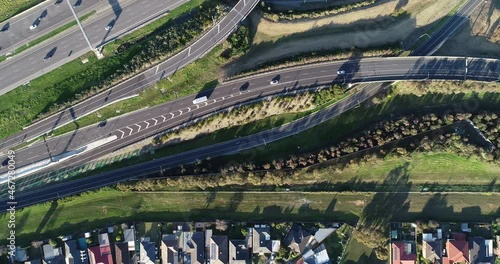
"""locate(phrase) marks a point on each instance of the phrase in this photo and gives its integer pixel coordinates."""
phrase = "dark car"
(244, 86)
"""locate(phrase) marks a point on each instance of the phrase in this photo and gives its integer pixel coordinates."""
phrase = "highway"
(453, 23)
(55, 191)
(140, 81)
(139, 125)
(71, 44)
(16, 31)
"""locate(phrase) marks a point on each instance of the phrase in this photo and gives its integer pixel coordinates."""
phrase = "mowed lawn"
(9, 8)
(441, 168)
(358, 253)
(105, 207)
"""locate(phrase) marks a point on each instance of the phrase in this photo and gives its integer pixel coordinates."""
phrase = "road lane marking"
(147, 124)
(131, 130)
(164, 118)
(172, 115)
(156, 121)
(123, 133)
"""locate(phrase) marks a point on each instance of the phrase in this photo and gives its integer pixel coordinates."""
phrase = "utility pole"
(97, 52)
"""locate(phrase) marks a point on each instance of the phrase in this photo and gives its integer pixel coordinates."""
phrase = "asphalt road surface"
(48, 16)
(139, 125)
(439, 37)
(71, 44)
(139, 82)
(229, 147)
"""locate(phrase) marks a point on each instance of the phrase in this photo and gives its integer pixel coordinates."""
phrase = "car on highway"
(340, 72)
(273, 82)
(33, 26)
(244, 87)
(108, 27)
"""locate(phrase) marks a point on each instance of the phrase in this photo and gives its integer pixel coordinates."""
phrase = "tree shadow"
(210, 198)
(47, 216)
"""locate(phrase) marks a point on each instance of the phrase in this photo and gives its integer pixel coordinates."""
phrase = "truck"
(200, 100)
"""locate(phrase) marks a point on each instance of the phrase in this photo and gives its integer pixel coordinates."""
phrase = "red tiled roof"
(458, 250)
(101, 255)
(399, 256)
(459, 236)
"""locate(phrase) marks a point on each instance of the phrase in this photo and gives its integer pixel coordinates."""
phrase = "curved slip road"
(138, 125)
(140, 81)
(418, 68)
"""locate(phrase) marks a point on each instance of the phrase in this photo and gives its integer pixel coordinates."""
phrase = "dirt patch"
(480, 36)
(366, 27)
(359, 203)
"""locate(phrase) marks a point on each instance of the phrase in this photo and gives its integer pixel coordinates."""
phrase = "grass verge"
(96, 209)
(21, 106)
(9, 8)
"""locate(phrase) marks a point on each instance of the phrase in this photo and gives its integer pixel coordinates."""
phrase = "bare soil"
(365, 27)
(480, 37)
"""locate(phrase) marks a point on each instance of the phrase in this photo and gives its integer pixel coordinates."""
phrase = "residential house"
(432, 250)
(219, 250)
(20, 255)
(193, 247)
(403, 253)
(101, 254)
(481, 251)
(457, 250)
(129, 237)
(73, 254)
(239, 252)
(169, 249)
(33, 261)
(123, 255)
(52, 255)
(147, 251)
(317, 256)
(261, 239)
(298, 239)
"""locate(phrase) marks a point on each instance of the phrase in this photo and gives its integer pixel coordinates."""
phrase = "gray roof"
(170, 249)
(262, 242)
(238, 252)
(73, 254)
(477, 251)
(129, 234)
(194, 247)
(298, 238)
(432, 250)
(219, 249)
(123, 255)
(147, 252)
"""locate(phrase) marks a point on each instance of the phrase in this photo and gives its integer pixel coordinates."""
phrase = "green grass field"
(105, 207)
(358, 253)
(10, 8)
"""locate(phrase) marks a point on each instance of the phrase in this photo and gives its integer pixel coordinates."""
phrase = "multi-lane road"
(141, 124)
(139, 82)
(71, 44)
(453, 23)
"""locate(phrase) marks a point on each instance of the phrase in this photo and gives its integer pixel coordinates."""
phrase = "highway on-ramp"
(134, 85)
(139, 125)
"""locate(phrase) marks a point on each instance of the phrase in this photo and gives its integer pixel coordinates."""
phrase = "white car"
(33, 26)
(108, 27)
(273, 82)
(340, 72)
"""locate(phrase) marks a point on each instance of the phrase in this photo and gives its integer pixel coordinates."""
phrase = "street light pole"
(97, 53)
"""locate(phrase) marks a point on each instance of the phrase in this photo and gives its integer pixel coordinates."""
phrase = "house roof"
(261, 240)
(298, 238)
(129, 234)
(478, 251)
(147, 252)
(194, 247)
(123, 255)
(49, 252)
(98, 254)
(73, 254)
(432, 250)
(238, 252)
(103, 239)
(400, 256)
(458, 250)
(170, 249)
(33, 261)
(219, 250)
